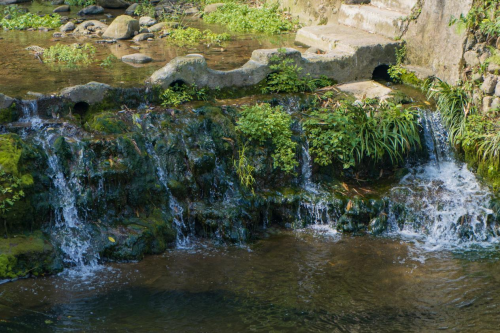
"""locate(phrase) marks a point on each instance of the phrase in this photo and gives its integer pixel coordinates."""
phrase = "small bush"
(80, 3)
(240, 17)
(71, 55)
(145, 9)
(261, 123)
(21, 20)
(286, 77)
(179, 94)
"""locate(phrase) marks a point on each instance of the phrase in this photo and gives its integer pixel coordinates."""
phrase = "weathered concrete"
(403, 6)
(5, 101)
(433, 44)
(366, 89)
(338, 65)
(372, 19)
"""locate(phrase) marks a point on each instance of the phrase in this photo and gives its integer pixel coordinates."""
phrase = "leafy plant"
(80, 3)
(190, 36)
(350, 134)
(15, 17)
(145, 9)
(244, 170)
(109, 61)
(71, 55)
(240, 17)
(10, 193)
(178, 94)
(286, 77)
(484, 16)
(261, 123)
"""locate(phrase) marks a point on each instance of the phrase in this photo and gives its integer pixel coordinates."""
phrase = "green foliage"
(80, 3)
(351, 134)
(191, 36)
(484, 16)
(9, 114)
(244, 170)
(453, 102)
(71, 55)
(21, 20)
(286, 77)
(145, 9)
(10, 191)
(178, 94)
(109, 61)
(398, 73)
(107, 123)
(240, 17)
(261, 123)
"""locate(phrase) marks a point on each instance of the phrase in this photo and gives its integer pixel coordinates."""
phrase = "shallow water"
(21, 72)
(290, 282)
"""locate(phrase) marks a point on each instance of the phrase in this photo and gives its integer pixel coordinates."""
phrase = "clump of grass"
(191, 36)
(71, 55)
(243, 18)
(145, 9)
(18, 19)
(80, 3)
(352, 134)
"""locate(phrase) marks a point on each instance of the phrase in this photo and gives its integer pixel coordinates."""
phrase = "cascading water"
(443, 201)
(183, 240)
(69, 231)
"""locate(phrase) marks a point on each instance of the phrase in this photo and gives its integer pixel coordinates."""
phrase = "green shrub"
(240, 17)
(145, 9)
(484, 16)
(286, 77)
(80, 3)
(71, 55)
(261, 123)
(178, 94)
(109, 61)
(351, 134)
(21, 20)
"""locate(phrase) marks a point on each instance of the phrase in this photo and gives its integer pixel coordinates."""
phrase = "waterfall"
(183, 240)
(444, 201)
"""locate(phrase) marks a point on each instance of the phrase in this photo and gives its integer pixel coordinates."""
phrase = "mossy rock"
(9, 114)
(27, 255)
(107, 123)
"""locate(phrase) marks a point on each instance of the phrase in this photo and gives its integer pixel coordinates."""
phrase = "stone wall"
(313, 12)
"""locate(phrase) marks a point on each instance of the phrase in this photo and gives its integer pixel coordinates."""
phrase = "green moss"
(9, 114)
(10, 152)
(107, 123)
(411, 79)
(23, 255)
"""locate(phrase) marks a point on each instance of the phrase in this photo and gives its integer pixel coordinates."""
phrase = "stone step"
(340, 38)
(372, 19)
(403, 6)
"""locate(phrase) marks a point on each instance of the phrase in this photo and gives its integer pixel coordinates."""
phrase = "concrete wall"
(433, 44)
(313, 12)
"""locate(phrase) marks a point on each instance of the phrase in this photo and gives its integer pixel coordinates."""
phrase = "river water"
(302, 281)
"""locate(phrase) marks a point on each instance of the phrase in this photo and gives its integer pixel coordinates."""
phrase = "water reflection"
(290, 282)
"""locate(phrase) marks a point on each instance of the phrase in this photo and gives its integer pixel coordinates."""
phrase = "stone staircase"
(360, 29)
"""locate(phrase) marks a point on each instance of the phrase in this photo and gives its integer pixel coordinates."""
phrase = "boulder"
(91, 10)
(494, 68)
(497, 89)
(112, 4)
(147, 21)
(57, 2)
(123, 27)
(137, 58)
(142, 37)
(191, 11)
(489, 84)
(131, 9)
(62, 9)
(89, 27)
(70, 26)
(212, 7)
(159, 26)
(5, 101)
(495, 104)
(91, 93)
(487, 101)
(11, 2)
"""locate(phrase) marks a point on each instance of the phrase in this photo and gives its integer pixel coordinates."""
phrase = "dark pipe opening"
(381, 73)
(81, 108)
(177, 84)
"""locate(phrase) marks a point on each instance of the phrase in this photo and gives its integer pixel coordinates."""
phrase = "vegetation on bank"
(190, 36)
(14, 17)
(484, 17)
(267, 19)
